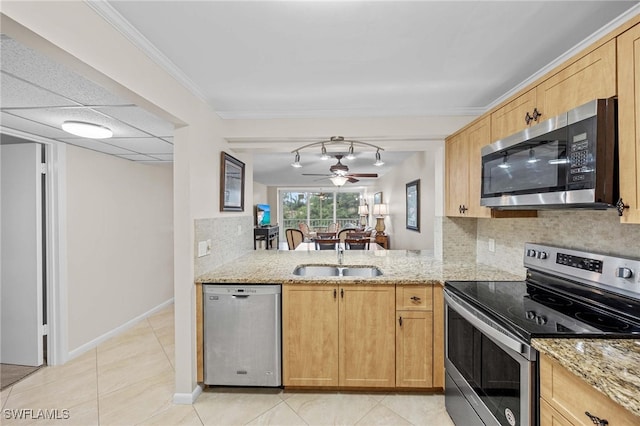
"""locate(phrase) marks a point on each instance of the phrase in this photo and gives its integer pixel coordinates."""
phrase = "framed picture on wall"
(377, 198)
(413, 205)
(231, 184)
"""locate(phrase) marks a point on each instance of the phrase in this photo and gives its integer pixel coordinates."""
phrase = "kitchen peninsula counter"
(398, 267)
(612, 366)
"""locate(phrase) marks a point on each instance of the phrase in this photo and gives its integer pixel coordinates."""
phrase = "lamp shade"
(380, 210)
(363, 210)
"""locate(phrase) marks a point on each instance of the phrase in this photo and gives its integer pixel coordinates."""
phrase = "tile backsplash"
(589, 230)
(455, 239)
(231, 237)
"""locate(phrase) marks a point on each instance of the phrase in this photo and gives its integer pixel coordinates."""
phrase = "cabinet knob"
(415, 298)
(462, 209)
(528, 118)
(400, 321)
(596, 420)
(620, 206)
(536, 114)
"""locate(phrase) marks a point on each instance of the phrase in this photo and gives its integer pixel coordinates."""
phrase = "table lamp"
(380, 211)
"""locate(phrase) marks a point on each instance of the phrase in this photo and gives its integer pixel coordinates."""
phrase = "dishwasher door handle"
(240, 296)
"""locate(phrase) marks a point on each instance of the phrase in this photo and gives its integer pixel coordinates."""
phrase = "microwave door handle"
(485, 328)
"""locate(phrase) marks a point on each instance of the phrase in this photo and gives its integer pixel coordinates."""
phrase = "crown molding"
(620, 20)
(117, 21)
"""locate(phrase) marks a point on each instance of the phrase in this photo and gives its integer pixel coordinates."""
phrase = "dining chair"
(294, 237)
(333, 227)
(343, 233)
(305, 229)
(356, 243)
(325, 235)
(326, 244)
(357, 235)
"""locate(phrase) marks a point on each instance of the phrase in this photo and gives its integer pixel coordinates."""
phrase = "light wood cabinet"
(310, 335)
(414, 336)
(338, 335)
(629, 122)
(367, 336)
(566, 398)
(589, 77)
(511, 118)
(463, 170)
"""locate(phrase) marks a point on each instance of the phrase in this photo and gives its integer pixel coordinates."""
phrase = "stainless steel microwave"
(566, 161)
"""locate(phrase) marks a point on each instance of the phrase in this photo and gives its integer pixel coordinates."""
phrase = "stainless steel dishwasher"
(242, 335)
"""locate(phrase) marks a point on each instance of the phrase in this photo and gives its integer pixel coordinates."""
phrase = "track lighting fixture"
(296, 162)
(379, 161)
(334, 140)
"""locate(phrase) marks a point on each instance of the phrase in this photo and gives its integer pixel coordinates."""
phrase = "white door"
(21, 291)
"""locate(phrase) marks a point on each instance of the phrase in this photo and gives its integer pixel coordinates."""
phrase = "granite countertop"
(398, 266)
(610, 366)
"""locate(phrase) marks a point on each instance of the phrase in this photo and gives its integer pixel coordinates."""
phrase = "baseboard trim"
(118, 330)
(187, 398)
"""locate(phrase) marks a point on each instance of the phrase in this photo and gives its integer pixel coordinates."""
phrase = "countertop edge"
(611, 382)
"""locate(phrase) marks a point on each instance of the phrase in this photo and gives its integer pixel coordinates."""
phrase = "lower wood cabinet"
(361, 336)
(565, 399)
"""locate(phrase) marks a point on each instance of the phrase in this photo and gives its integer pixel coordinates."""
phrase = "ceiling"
(296, 59)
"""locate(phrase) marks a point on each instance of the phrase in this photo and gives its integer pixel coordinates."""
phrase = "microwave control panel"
(581, 154)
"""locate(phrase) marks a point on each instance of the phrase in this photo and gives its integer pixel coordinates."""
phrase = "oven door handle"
(485, 328)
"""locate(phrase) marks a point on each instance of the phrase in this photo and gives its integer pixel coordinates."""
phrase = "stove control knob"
(541, 320)
(542, 255)
(531, 253)
(530, 315)
(623, 272)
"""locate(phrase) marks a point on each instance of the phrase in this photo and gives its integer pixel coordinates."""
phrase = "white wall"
(393, 186)
(119, 241)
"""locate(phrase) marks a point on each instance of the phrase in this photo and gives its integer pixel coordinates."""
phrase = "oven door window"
(532, 167)
(492, 373)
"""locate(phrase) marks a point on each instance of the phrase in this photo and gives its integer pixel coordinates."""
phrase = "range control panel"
(618, 274)
(579, 262)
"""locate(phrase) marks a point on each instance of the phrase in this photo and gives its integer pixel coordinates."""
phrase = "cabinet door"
(414, 349)
(510, 118)
(456, 174)
(571, 396)
(591, 77)
(550, 417)
(367, 336)
(629, 122)
(478, 136)
(310, 335)
(413, 297)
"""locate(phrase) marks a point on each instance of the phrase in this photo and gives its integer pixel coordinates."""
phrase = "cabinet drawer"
(414, 297)
(572, 397)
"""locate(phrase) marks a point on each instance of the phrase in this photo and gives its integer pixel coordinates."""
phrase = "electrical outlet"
(202, 248)
(208, 246)
(492, 245)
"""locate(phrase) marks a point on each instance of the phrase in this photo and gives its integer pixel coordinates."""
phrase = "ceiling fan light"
(87, 130)
(338, 180)
(324, 155)
(379, 161)
(350, 155)
(296, 162)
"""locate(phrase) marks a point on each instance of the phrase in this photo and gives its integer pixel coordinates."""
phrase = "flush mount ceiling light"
(87, 130)
(337, 140)
(338, 180)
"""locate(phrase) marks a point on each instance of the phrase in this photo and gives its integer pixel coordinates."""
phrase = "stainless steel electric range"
(491, 368)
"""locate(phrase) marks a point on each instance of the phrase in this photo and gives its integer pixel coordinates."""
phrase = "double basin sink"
(336, 271)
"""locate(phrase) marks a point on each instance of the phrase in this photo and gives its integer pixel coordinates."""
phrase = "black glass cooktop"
(531, 310)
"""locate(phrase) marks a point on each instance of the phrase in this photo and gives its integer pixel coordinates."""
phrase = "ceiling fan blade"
(316, 174)
(364, 175)
(352, 180)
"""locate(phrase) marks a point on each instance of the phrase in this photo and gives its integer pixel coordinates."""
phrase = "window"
(319, 208)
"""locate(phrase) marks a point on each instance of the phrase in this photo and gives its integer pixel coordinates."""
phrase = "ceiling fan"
(340, 173)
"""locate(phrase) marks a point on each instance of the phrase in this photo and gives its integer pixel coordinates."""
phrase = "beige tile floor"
(128, 380)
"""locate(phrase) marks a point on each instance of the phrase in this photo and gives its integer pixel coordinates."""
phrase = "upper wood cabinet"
(590, 77)
(629, 122)
(463, 170)
(593, 76)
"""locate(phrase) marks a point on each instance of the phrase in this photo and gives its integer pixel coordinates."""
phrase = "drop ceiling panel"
(55, 117)
(19, 94)
(28, 126)
(42, 71)
(143, 145)
(138, 117)
(97, 145)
